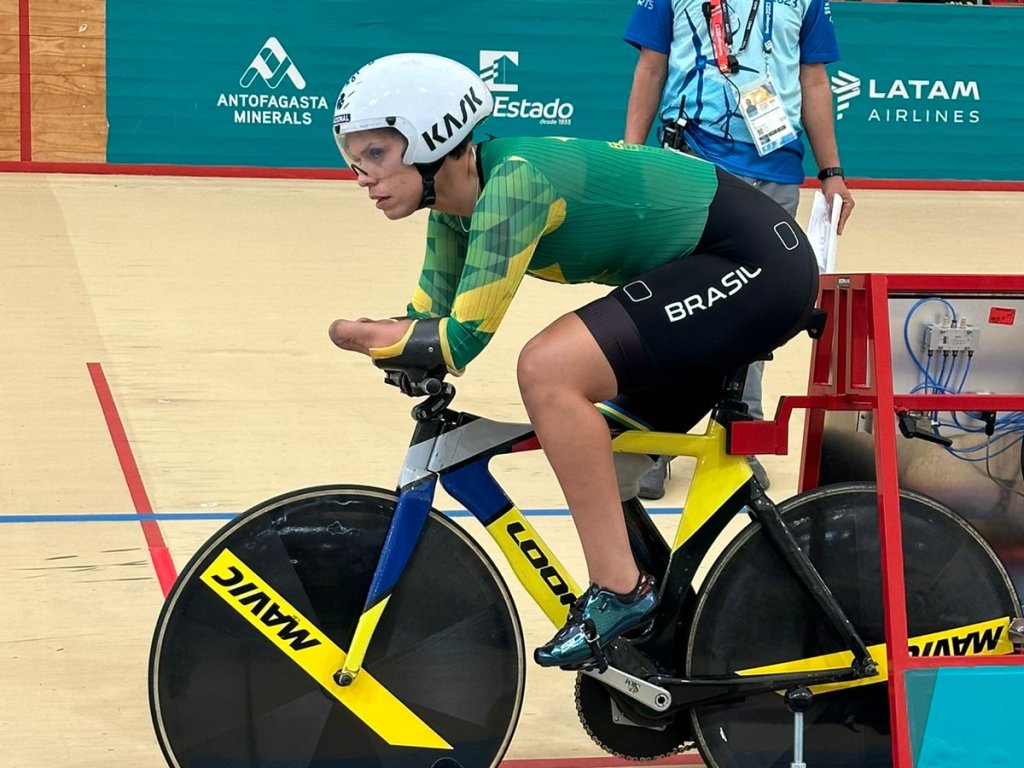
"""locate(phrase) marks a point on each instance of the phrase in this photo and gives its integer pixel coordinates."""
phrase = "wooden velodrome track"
(194, 312)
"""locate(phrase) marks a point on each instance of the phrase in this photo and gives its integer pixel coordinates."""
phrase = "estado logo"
(269, 69)
(498, 70)
(910, 100)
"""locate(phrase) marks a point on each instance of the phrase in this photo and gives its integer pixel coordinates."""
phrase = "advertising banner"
(921, 92)
(928, 91)
(225, 82)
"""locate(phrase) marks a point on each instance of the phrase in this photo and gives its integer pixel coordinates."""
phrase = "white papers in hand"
(822, 230)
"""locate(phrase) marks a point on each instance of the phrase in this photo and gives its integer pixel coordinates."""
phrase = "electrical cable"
(997, 481)
(1006, 426)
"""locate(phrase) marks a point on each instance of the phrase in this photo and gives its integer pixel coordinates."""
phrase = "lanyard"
(750, 22)
(766, 25)
(716, 15)
(721, 35)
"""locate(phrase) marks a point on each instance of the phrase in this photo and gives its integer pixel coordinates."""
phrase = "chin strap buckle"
(427, 173)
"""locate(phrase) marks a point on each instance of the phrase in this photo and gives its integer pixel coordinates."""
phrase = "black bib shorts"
(673, 334)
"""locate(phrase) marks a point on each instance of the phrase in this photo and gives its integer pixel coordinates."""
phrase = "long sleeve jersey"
(566, 210)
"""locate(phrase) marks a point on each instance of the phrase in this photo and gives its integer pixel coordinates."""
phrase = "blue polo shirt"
(801, 33)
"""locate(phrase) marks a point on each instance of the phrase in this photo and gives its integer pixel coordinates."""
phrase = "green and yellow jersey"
(567, 210)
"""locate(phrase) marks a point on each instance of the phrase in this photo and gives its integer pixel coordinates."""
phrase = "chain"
(684, 747)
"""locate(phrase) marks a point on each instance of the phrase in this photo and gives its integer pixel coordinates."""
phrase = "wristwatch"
(826, 173)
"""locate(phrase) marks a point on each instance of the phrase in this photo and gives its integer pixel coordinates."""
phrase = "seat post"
(731, 402)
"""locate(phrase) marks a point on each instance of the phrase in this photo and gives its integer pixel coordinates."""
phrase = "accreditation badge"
(765, 116)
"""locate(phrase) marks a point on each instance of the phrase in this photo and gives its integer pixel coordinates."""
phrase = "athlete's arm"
(443, 262)
(518, 206)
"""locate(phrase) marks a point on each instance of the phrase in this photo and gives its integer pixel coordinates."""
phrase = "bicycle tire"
(752, 612)
(449, 645)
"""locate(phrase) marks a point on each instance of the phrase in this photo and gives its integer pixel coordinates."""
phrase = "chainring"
(619, 725)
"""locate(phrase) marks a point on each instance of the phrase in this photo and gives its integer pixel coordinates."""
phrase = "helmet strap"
(427, 172)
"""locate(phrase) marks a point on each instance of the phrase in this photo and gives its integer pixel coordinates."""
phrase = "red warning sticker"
(1002, 315)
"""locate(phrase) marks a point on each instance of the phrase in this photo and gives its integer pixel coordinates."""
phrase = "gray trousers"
(788, 196)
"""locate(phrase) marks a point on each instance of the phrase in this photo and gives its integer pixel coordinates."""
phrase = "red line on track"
(158, 552)
(690, 758)
(252, 172)
(25, 74)
(928, 185)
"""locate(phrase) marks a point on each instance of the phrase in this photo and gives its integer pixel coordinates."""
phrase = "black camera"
(673, 136)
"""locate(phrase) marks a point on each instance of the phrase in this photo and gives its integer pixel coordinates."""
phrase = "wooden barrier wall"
(66, 79)
(10, 91)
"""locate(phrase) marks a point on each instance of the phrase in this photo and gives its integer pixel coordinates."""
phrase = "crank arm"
(651, 696)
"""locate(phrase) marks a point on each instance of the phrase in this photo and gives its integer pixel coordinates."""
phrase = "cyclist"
(708, 274)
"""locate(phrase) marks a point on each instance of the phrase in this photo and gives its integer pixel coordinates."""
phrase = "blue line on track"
(132, 517)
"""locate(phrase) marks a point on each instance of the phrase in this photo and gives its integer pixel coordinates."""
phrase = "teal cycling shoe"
(596, 619)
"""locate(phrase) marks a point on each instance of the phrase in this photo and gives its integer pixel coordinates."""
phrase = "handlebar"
(413, 385)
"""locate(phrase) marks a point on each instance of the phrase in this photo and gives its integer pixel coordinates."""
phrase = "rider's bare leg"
(562, 373)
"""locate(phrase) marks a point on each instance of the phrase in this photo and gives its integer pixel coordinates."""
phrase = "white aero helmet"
(432, 101)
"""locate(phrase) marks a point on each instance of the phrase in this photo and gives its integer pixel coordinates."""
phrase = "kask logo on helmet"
(497, 70)
(442, 131)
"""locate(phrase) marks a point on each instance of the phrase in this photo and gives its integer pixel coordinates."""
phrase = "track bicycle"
(357, 627)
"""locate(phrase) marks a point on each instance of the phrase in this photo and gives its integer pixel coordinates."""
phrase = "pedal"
(1017, 635)
(600, 661)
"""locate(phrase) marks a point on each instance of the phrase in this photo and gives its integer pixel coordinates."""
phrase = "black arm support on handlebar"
(415, 365)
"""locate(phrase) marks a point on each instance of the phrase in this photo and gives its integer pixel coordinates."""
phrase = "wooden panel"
(8, 17)
(9, 56)
(68, 118)
(68, 51)
(10, 103)
(10, 123)
(76, 89)
(10, 88)
(68, 19)
(68, 55)
(10, 146)
(67, 147)
(10, 82)
(10, 85)
(54, 104)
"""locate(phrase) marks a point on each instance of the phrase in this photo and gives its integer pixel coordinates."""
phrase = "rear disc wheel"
(752, 612)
